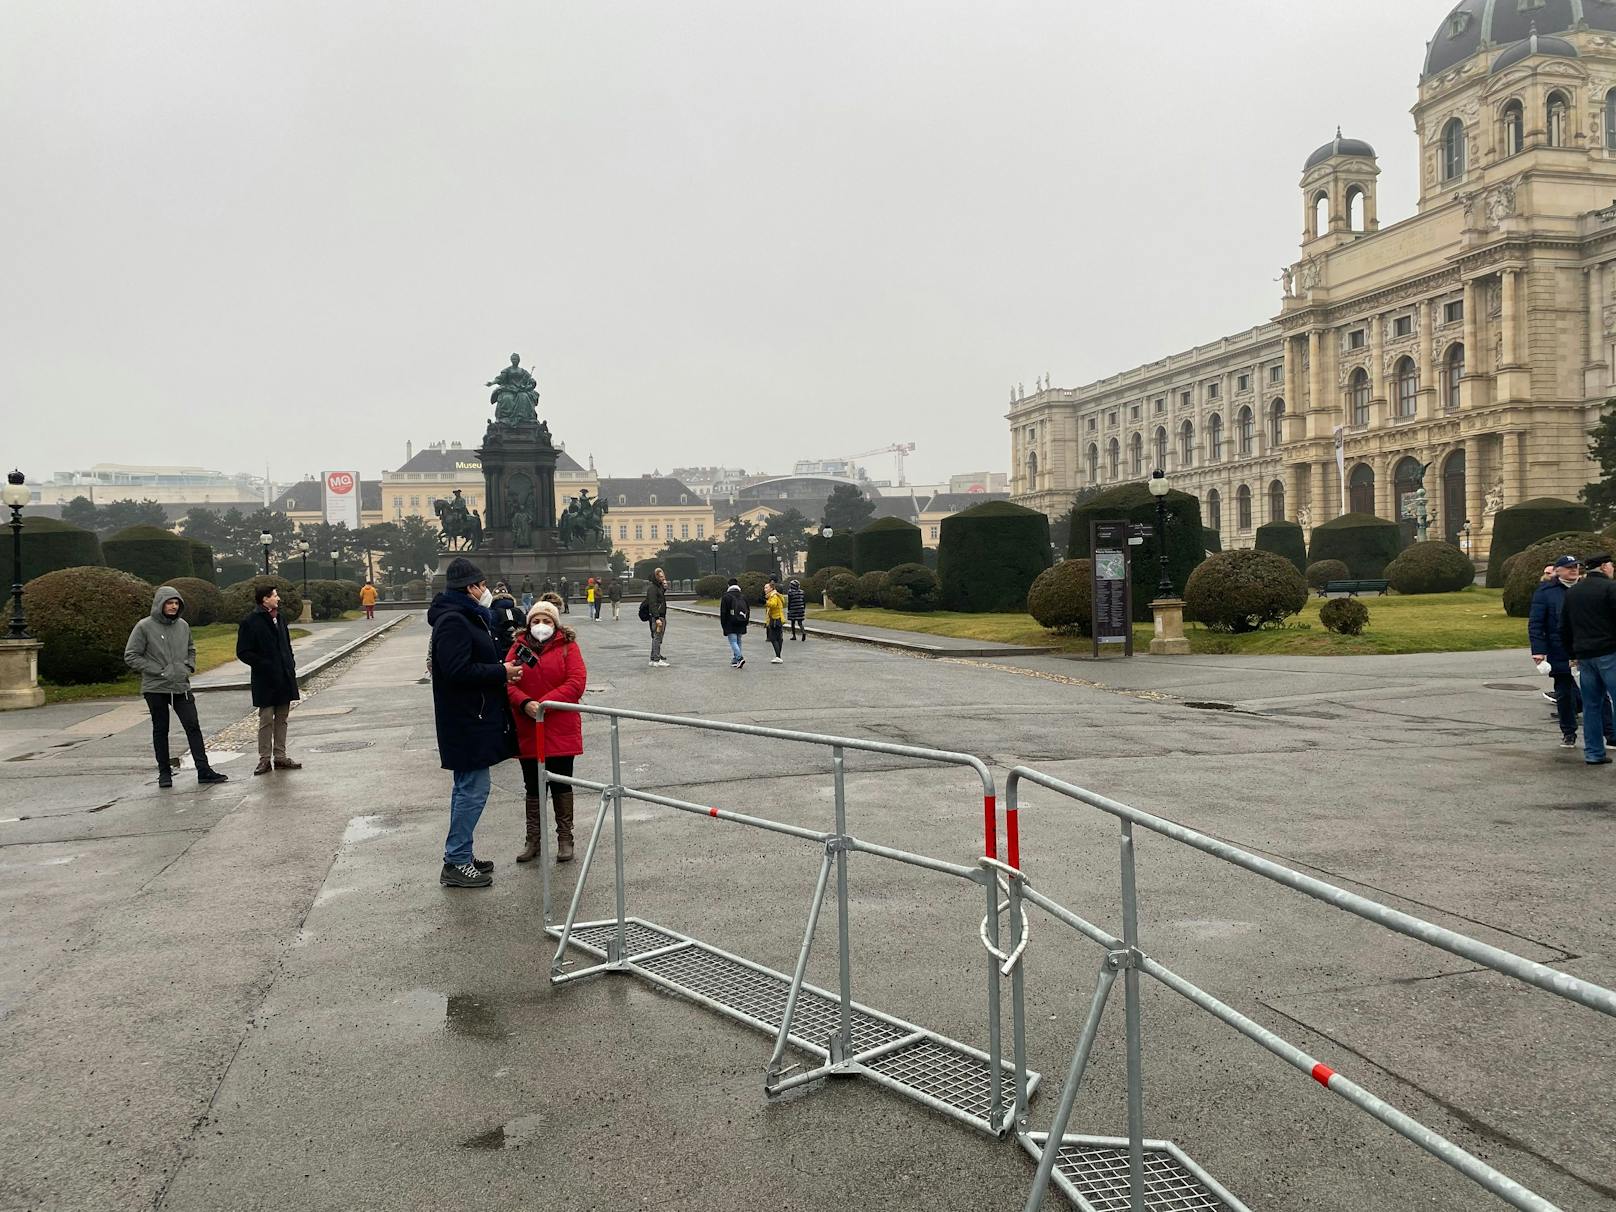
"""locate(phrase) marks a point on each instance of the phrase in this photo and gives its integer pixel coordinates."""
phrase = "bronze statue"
(519, 508)
(461, 529)
(583, 524)
(515, 396)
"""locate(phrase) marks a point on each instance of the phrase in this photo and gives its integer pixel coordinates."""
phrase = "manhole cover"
(1510, 686)
(342, 746)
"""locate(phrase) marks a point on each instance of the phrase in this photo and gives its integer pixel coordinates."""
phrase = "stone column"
(1427, 361)
(1297, 415)
(1385, 490)
(1472, 344)
(1318, 501)
(1315, 384)
(1377, 371)
(1514, 468)
(1511, 317)
(1475, 490)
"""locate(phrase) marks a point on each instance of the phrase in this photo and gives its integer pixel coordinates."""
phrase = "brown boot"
(561, 802)
(535, 829)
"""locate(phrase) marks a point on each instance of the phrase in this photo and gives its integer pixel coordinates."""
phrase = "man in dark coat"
(264, 645)
(1543, 631)
(1588, 627)
(733, 617)
(473, 716)
(654, 610)
(508, 618)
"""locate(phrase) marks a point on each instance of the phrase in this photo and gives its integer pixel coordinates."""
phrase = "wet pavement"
(258, 996)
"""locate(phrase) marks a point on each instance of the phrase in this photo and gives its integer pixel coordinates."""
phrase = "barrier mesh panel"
(947, 1074)
(639, 937)
(762, 996)
(1100, 1174)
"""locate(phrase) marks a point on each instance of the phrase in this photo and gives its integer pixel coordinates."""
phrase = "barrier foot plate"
(1092, 1172)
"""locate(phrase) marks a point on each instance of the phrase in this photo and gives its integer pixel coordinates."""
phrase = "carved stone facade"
(1477, 336)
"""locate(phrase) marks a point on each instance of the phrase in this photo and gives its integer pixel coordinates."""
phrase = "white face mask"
(487, 598)
(542, 631)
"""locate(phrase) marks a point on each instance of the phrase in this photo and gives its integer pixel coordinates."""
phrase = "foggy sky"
(719, 231)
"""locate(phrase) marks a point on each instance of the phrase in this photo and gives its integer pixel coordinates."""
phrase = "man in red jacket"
(552, 671)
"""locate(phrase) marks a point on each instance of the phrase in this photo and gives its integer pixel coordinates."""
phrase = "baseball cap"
(1567, 562)
(1595, 561)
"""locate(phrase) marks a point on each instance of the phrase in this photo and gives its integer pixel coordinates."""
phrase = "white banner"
(342, 498)
(1341, 463)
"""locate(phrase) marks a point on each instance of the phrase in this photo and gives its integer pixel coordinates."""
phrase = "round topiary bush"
(84, 617)
(843, 589)
(834, 552)
(816, 584)
(911, 587)
(1284, 539)
(417, 590)
(1243, 591)
(1521, 526)
(202, 562)
(203, 601)
(1344, 616)
(1361, 541)
(328, 599)
(711, 587)
(1528, 571)
(752, 587)
(237, 600)
(1186, 537)
(1062, 599)
(1510, 565)
(990, 554)
(884, 544)
(48, 545)
(1321, 574)
(869, 590)
(151, 553)
(1432, 567)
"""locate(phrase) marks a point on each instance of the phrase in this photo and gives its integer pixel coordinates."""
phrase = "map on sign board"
(1110, 566)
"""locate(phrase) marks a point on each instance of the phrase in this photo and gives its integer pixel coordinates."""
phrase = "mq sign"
(342, 498)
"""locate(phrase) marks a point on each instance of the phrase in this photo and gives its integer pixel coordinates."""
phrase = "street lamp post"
(1159, 488)
(303, 550)
(15, 495)
(19, 651)
(715, 559)
(334, 556)
(264, 540)
(1168, 608)
(774, 553)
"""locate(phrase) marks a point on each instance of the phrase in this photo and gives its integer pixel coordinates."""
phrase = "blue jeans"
(466, 804)
(1598, 681)
(734, 647)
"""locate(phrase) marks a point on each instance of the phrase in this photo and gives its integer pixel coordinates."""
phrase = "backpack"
(645, 610)
(738, 610)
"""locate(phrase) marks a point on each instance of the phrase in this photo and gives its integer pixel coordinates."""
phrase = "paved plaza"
(258, 996)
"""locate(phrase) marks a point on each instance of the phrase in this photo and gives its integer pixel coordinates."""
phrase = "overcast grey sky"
(732, 231)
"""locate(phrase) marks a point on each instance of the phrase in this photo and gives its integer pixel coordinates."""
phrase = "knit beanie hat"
(462, 572)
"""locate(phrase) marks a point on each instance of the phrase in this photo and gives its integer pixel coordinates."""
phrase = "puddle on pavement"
(523, 1130)
(363, 828)
(474, 1017)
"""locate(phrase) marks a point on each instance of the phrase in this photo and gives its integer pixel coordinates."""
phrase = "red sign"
(340, 481)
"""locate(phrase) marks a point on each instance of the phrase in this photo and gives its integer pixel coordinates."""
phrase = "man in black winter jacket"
(733, 617)
(264, 645)
(1588, 626)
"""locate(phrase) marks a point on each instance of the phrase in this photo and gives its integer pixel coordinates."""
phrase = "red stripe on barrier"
(712, 812)
(1322, 1074)
(1013, 832)
(990, 827)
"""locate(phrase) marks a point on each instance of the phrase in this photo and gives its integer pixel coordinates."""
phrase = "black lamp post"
(15, 494)
(1159, 489)
(265, 539)
(303, 550)
(774, 553)
(715, 559)
(334, 555)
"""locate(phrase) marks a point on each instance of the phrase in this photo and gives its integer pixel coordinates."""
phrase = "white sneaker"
(777, 660)
(661, 664)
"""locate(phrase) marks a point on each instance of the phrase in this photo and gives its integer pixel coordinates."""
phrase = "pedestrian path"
(325, 643)
(909, 641)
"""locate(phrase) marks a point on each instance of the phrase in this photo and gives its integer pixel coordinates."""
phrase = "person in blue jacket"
(1543, 628)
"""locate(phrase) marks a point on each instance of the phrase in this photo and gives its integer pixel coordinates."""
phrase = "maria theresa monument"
(1475, 338)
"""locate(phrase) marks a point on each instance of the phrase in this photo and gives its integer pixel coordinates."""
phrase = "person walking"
(264, 645)
(797, 610)
(774, 621)
(470, 710)
(614, 594)
(593, 607)
(1588, 628)
(1543, 631)
(161, 651)
(733, 617)
(508, 617)
(654, 610)
(566, 596)
(527, 593)
(553, 670)
(367, 599)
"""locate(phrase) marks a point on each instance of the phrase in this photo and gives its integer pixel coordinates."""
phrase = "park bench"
(1353, 588)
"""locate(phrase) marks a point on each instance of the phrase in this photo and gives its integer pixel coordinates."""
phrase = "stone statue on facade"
(519, 508)
(583, 523)
(1287, 281)
(1494, 500)
(515, 396)
(1304, 517)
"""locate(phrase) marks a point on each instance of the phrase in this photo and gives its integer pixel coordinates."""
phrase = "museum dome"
(1339, 147)
(1476, 25)
(1536, 44)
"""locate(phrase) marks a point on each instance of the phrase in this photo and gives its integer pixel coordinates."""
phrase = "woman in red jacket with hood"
(552, 670)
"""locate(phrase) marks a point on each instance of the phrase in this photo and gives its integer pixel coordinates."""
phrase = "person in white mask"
(552, 671)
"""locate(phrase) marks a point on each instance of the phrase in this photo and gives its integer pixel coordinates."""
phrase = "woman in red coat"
(552, 670)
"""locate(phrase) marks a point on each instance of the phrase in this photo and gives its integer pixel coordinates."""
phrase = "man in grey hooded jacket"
(161, 651)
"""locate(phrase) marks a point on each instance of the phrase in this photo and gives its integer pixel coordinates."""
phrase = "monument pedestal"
(19, 674)
(1170, 639)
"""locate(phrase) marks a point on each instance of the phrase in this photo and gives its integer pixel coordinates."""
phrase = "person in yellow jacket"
(367, 599)
(592, 600)
(774, 620)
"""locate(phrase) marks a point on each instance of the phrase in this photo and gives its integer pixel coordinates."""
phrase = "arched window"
(1276, 424)
(653, 498)
(1355, 209)
(1136, 455)
(1214, 509)
(1321, 213)
(1358, 397)
(1032, 471)
(1186, 444)
(1245, 430)
(1406, 480)
(1408, 387)
(1276, 501)
(1453, 497)
(1094, 462)
(1214, 438)
(1161, 448)
(1361, 489)
(1113, 459)
(1453, 368)
(1453, 150)
(1242, 508)
(1515, 128)
(1559, 115)
(1610, 120)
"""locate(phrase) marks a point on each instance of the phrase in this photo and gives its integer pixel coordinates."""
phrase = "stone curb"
(324, 662)
(892, 640)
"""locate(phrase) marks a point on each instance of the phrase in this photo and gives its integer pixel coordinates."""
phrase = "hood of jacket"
(166, 593)
(456, 601)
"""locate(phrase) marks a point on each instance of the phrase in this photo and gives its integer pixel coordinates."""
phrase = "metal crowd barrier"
(943, 1074)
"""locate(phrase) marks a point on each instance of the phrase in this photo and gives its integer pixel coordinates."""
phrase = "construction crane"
(897, 449)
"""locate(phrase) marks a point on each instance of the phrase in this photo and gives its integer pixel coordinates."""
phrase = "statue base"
(19, 674)
(547, 565)
(1170, 639)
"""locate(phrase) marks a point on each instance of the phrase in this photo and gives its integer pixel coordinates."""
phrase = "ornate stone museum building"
(1471, 344)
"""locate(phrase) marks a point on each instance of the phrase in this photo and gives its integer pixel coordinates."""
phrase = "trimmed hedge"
(238, 602)
(928, 557)
(1211, 540)
(1344, 616)
(1062, 599)
(1521, 526)
(328, 599)
(1284, 539)
(1322, 573)
(644, 568)
(232, 570)
(151, 553)
(1241, 591)
(48, 545)
(203, 601)
(1186, 537)
(911, 587)
(752, 587)
(1523, 582)
(711, 586)
(885, 544)
(681, 566)
(202, 562)
(1510, 565)
(843, 589)
(1432, 567)
(869, 588)
(1361, 541)
(84, 617)
(834, 552)
(759, 561)
(816, 584)
(990, 554)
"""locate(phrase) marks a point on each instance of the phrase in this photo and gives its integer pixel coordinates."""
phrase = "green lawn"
(1470, 621)
(215, 646)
